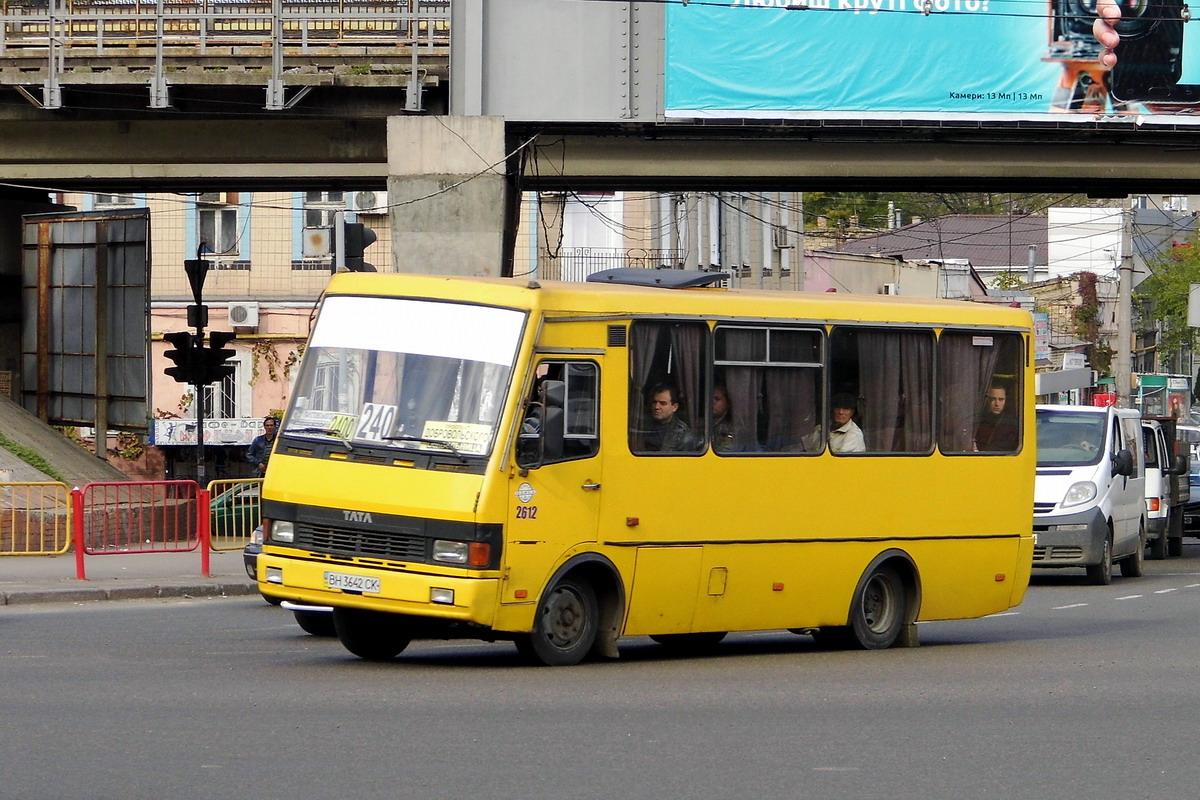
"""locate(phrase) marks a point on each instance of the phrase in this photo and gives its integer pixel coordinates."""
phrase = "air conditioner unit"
(891, 288)
(369, 202)
(244, 315)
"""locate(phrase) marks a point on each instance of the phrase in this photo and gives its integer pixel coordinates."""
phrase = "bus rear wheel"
(878, 611)
(371, 635)
(564, 629)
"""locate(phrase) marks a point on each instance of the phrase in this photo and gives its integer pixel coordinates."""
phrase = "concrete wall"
(448, 190)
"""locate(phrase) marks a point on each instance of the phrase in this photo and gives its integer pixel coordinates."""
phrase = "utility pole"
(1123, 370)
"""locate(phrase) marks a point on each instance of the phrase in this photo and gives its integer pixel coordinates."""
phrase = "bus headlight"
(281, 531)
(1082, 492)
(450, 552)
(472, 554)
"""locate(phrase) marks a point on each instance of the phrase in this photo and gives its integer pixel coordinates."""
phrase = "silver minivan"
(1089, 505)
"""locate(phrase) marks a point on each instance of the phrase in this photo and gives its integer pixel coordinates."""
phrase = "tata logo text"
(357, 516)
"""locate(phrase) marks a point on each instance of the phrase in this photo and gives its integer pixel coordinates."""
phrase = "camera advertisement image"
(1002, 60)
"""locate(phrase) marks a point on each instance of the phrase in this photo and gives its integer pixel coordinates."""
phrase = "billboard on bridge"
(926, 59)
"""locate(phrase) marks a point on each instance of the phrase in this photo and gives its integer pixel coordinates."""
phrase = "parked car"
(250, 555)
(315, 620)
(235, 512)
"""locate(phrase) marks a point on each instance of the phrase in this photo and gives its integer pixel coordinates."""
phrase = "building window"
(115, 201)
(220, 399)
(319, 208)
(217, 214)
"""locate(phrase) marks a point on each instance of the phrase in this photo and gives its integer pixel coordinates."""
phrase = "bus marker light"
(442, 596)
(777, 587)
(1000, 576)
(632, 522)
(521, 594)
(479, 554)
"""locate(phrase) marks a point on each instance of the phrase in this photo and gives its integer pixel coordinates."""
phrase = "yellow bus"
(648, 454)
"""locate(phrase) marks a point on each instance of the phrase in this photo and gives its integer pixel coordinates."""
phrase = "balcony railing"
(576, 263)
(211, 23)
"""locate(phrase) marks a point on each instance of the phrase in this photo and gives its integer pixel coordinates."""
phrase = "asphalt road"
(1081, 692)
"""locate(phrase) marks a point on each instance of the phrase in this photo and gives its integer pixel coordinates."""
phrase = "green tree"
(1164, 295)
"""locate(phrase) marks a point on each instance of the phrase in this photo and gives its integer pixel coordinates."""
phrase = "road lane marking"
(1003, 614)
(1073, 605)
(1163, 591)
(1130, 597)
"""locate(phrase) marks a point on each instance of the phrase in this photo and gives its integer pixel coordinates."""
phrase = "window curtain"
(743, 385)
(644, 341)
(687, 350)
(791, 407)
(966, 371)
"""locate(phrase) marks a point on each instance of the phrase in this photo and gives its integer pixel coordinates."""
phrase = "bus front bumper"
(433, 596)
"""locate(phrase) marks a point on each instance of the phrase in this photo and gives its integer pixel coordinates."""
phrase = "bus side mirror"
(1179, 465)
(1123, 463)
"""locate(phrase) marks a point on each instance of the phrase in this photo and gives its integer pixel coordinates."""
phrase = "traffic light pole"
(197, 271)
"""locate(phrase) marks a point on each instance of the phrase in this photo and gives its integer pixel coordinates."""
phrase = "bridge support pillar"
(447, 191)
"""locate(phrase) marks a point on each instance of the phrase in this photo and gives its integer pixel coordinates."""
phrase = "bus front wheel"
(564, 629)
(371, 635)
(878, 611)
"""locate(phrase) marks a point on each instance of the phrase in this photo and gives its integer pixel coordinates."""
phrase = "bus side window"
(564, 424)
(889, 374)
(772, 380)
(980, 394)
(667, 387)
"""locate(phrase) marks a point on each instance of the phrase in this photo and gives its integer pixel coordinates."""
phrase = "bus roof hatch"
(662, 278)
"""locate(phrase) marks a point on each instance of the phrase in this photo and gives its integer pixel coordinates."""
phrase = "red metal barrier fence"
(140, 517)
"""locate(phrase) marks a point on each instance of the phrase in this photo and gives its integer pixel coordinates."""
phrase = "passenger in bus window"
(997, 429)
(668, 433)
(845, 436)
(722, 424)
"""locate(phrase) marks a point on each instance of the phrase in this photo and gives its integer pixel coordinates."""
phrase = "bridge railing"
(212, 23)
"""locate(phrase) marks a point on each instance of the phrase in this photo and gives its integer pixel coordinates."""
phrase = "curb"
(17, 595)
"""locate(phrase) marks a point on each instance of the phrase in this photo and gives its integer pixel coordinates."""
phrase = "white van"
(1089, 506)
(1158, 489)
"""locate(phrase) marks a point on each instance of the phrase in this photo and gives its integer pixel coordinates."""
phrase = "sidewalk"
(51, 579)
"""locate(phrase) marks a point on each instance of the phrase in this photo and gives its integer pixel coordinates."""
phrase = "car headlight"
(1082, 492)
(281, 531)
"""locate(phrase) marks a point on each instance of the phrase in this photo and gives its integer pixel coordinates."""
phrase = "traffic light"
(213, 366)
(358, 238)
(183, 355)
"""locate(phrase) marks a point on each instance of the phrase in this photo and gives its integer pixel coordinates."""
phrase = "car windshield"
(1068, 439)
(406, 374)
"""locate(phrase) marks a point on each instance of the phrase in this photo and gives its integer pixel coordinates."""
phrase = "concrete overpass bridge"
(420, 95)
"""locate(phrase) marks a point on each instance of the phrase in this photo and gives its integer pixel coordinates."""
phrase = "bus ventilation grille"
(616, 336)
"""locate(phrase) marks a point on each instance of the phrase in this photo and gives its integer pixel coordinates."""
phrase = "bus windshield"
(1066, 439)
(406, 374)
